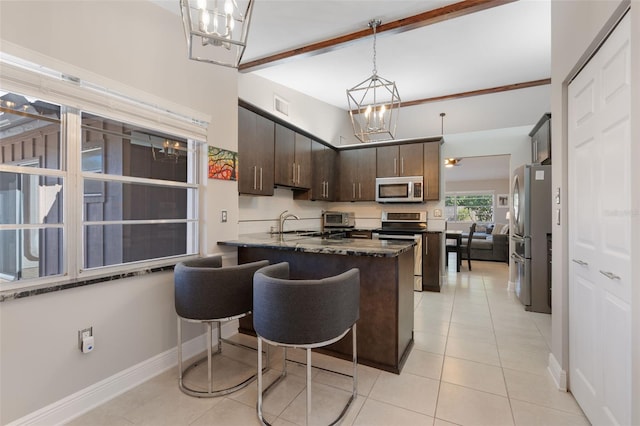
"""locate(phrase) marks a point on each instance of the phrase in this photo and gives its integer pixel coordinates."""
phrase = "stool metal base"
(262, 394)
(210, 392)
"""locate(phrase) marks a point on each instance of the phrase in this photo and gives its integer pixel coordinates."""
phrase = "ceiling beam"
(498, 89)
(430, 17)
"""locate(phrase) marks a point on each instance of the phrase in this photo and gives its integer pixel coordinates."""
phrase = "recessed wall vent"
(281, 105)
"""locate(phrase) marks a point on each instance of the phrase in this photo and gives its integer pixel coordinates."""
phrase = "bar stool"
(207, 293)
(304, 314)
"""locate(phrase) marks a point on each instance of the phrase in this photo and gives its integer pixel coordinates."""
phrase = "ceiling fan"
(450, 162)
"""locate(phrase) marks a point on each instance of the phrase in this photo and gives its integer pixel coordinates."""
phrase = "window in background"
(469, 207)
(32, 184)
(140, 193)
(134, 191)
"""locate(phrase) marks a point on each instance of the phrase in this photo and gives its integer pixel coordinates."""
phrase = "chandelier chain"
(374, 24)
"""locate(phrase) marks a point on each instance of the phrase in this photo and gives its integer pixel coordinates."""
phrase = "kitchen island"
(385, 327)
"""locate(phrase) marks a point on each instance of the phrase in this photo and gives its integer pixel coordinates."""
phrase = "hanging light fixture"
(171, 151)
(450, 162)
(374, 104)
(216, 30)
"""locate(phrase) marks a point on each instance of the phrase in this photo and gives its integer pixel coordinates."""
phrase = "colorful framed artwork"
(223, 164)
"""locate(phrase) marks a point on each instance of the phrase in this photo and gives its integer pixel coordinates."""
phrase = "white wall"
(133, 319)
(575, 26)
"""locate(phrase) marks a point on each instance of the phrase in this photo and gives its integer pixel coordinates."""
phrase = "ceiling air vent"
(281, 105)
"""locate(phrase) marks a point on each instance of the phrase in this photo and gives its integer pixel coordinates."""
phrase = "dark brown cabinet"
(431, 174)
(323, 179)
(292, 158)
(399, 160)
(541, 141)
(431, 276)
(357, 174)
(256, 151)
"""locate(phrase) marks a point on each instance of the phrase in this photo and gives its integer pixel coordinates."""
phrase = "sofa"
(489, 242)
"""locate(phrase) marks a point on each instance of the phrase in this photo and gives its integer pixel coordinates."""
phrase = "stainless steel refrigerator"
(531, 232)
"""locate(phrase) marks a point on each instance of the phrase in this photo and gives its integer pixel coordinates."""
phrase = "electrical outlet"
(83, 334)
(223, 216)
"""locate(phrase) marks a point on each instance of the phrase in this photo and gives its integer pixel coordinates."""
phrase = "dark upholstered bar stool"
(206, 292)
(304, 314)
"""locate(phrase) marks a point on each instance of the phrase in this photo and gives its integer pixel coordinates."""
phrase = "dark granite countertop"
(323, 245)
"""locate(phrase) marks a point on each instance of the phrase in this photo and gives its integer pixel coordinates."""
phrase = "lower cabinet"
(431, 274)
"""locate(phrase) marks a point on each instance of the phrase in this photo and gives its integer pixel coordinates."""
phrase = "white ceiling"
(504, 45)
(499, 46)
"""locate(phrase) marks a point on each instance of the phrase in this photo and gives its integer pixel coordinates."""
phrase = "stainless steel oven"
(406, 226)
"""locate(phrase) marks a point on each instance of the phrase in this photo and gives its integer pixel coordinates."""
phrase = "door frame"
(560, 368)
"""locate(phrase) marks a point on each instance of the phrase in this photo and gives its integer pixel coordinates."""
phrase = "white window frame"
(75, 95)
(467, 193)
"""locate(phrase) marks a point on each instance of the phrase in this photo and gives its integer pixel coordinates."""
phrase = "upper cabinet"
(541, 141)
(292, 158)
(323, 179)
(431, 174)
(256, 151)
(399, 160)
(357, 174)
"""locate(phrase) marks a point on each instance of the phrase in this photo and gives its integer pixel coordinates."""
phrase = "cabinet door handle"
(359, 190)
(293, 173)
(299, 180)
(260, 178)
(354, 190)
(580, 262)
(395, 166)
(402, 166)
(610, 275)
(255, 177)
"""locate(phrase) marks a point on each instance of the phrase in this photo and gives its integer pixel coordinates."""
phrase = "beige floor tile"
(474, 375)
(425, 364)
(535, 362)
(277, 399)
(539, 390)
(376, 413)
(100, 417)
(407, 391)
(229, 412)
(367, 376)
(440, 422)
(326, 405)
(466, 406)
(171, 408)
(472, 350)
(527, 414)
(429, 325)
(474, 332)
(429, 342)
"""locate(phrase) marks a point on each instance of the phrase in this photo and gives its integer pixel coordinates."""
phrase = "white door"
(599, 233)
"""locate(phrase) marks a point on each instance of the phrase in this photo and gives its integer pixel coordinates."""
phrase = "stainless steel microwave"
(339, 219)
(403, 189)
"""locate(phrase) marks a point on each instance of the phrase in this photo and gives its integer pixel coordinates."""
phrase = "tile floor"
(479, 359)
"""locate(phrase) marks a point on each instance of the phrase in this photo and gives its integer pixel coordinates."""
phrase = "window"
(131, 193)
(472, 207)
(31, 189)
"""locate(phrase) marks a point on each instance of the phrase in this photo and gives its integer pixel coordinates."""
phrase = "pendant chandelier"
(374, 104)
(216, 30)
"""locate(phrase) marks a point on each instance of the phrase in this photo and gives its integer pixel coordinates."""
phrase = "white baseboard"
(76, 404)
(558, 375)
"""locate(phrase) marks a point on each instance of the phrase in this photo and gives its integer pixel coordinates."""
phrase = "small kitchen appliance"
(402, 189)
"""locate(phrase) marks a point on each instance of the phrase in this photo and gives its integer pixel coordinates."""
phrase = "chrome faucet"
(283, 217)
